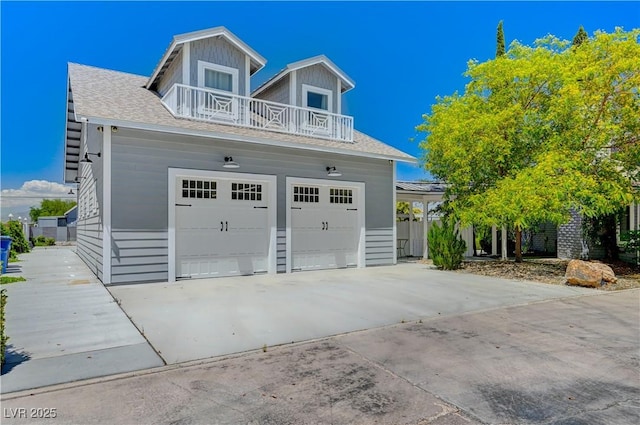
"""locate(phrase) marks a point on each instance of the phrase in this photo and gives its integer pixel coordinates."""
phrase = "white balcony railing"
(214, 106)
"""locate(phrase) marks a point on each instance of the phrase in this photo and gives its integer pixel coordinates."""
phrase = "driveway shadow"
(13, 358)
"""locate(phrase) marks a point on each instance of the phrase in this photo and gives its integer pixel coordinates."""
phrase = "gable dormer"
(214, 58)
(311, 83)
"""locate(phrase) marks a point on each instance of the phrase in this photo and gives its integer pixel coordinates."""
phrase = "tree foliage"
(540, 131)
(50, 208)
(19, 243)
(580, 37)
(402, 208)
(500, 46)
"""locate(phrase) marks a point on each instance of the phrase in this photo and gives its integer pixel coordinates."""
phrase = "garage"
(325, 224)
(224, 223)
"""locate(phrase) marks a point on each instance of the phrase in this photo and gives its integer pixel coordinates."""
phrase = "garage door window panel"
(199, 189)
(306, 194)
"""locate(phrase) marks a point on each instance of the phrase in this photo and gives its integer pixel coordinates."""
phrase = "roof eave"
(238, 138)
(350, 84)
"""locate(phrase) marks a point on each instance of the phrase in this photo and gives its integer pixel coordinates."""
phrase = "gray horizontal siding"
(140, 188)
(279, 92)
(219, 51)
(89, 243)
(379, 246)
(172, 75)
(139, 255)
(318, 76)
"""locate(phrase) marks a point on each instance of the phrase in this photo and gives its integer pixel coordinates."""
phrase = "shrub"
(3, 337)
(446, 248)
(19, 243)
(44, 241)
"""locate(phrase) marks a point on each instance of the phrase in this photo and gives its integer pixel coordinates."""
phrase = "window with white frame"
(317, 98)
(217, 77)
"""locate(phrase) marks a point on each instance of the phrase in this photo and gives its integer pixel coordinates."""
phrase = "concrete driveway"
(64, 326)
(571, 361)
(211, 317)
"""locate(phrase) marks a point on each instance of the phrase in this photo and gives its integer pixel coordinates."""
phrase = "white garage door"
(325, 226)
(221, 226)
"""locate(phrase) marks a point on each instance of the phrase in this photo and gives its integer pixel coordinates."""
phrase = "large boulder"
(587, 273)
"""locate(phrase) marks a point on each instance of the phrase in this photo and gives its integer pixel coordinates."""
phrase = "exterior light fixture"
(10, 216)
(332, 172)
(230, 163)
(88, 160)
(71, 192)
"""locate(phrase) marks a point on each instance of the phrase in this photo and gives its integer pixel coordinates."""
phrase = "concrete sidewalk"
(568, 361)
(205, 318)
(63, 325)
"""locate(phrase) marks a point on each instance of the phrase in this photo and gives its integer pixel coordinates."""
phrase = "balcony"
(203, 104)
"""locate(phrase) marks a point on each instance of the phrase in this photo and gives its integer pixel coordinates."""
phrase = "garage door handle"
(261, 207)
(226, 226)
(352, 209)
(183, 205)
(296, 208)
(323, 225)
(327, 226)
(221, 226)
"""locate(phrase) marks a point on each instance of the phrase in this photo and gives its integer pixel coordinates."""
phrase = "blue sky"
(401, 55)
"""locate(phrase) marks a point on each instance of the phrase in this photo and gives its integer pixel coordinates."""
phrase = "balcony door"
(220, 84)
(319, 101)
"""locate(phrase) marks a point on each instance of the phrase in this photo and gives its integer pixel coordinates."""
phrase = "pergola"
(429, 194)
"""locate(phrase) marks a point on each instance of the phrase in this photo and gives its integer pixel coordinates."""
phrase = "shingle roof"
(117, 96)
(425, 187)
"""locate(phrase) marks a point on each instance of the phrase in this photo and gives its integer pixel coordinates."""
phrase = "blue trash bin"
(4, 251)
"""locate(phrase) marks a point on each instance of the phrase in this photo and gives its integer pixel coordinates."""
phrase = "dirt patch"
(549, 270)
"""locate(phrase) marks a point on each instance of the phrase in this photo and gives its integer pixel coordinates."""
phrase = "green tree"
(545, 131)
(500, 48)
(50, 208)
(580, 37)
(402, 208)
(19, 243)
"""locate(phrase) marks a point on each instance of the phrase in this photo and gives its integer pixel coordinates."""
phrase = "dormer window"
(316, 97)
(217, 77)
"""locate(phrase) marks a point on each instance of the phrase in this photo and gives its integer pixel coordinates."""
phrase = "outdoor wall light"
(230, 163)
(71, 192)
(332, 172)
(87, 159)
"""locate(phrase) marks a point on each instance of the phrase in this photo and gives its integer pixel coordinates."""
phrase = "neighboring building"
(51, 227)
(572, 244)
(188, 174)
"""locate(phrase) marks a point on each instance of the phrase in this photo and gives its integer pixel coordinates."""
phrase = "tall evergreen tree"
(500, 48)
(580, 37)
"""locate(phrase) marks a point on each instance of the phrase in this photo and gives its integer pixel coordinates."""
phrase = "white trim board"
(327, 182)
(234, 72)
(306, 88)
(106, 205)
(248, 139)
(173, 173)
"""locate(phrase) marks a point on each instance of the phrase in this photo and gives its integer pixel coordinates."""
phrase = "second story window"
(316, 97)
(217, 77)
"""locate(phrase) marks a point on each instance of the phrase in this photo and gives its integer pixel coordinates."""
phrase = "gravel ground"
(549, 270)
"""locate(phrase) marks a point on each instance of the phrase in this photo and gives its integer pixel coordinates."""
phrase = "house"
(61, 228)
(189, 174)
